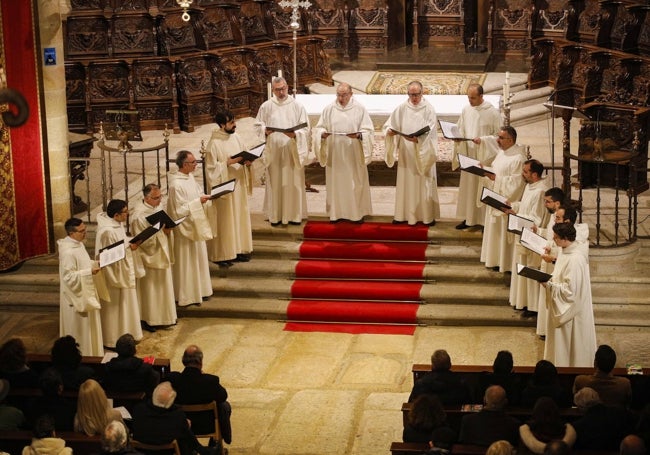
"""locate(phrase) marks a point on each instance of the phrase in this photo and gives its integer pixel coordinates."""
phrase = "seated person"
(632, 445)
(11, 418)
(612, 390)
(491, 423)
(115, 440)
(52, 402)
(427, 422)
(544, 426)
(13, 365)
(503, 375)
(442, 382)
(93, 409)
(66, 359)
(160, 421)
(128, 373)
(545, 382)
(501, 447)
(45, 441)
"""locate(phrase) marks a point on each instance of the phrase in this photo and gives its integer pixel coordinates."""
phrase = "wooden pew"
(40, 362)
(412, 448)
(13, 441)
(126, 399)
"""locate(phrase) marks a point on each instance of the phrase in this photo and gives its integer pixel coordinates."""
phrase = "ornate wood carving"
(511, 27)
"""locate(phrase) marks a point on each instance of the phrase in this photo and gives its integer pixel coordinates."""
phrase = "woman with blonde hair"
(93, 410)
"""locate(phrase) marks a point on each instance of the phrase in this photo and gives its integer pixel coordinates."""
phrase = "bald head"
(632, 445)
(495, 398)
(193, 356)
(343, 94)
(163, 395)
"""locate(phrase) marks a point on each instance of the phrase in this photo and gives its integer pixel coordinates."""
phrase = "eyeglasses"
(415, 95)
(190, 162)
(80, 231)
(503, 137)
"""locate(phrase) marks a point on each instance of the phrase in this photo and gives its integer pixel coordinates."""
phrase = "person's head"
(475, 94)
(503, 363)
(566, 213)
(506, 137)
(115, 438)
(125, 345)
(185, 161)
(553, 198)
(193, 357)
(44, 427)
(545, 373)
(75, 229)
(163, 395)
(564, 234)
(545, 421)
(65, 352)
(13, 355)
(427, 413)
(343, 94)
(632, 445)
(152, 195)
(226, 121)
(495, 398)
(415, 92)
(280, 88)
(585, 398)
(557, 447)
(605, 358)
(92, 407)
(51, 382)
(532, 171)
(501, 447)
(118, 210)
(440, 360)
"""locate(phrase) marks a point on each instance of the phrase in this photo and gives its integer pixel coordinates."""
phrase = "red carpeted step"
(353, 329)
(359, 312)
(366, 231)
(360, 270)
(389, 251)
(356, 290)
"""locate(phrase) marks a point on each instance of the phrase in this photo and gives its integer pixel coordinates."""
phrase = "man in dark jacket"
(128, 373)
(442, 382)
(195, 387)
(491, 423)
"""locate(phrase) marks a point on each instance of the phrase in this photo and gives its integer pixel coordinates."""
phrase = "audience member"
(612, 390)
(52, 402)
(632, 445)
(128, 373)
(160, 421)
(545, 426)
(343, 141)
(13, 365)
(491, 423)
(442, 382)
(643, 426)
(115, 440)
(501, 447)
(545, 382)
(601, 427)
(11, 418)
(416, 190)
(502, 374)
(93, 409)
(427, 421)
(45, 441)
(557, 447)
(193, 386)
(66, 360)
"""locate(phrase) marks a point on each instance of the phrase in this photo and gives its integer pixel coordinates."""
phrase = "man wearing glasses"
(191, 272)
(416, 190)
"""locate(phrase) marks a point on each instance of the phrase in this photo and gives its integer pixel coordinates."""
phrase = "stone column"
(56, 117)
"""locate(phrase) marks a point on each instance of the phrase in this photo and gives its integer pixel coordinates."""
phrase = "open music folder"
(288, 130)
(451, 131)
(473, 166)
(222, 188)
(147, 233)
(112, 253)
(494, 199)
(534, 242)
(516, 223)
(417, 133)
(533, 274)
(251, 154)
(164, 219)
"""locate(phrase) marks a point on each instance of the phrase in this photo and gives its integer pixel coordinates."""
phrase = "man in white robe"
(79, 313)
(478, 119)
(498, 244)
(416, 190)
(191, 269)
(343, 140)
(121, 314)
(156, 288)
(570, 332)
(285, 201)
(524, 292)
(229, 215)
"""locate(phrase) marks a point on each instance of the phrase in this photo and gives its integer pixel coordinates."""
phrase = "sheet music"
(517, 223)
(111, 254)
(532, 241)
(467, 162)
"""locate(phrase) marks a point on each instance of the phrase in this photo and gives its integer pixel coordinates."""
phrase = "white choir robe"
(416, 190)
(229, 215)
(156, 288)
(498, 244)
(79, 302)
(121, 314)
(285, 198)
(191, 269)
(524, 292)
(570, 332)
(479, 121)
(345, 159)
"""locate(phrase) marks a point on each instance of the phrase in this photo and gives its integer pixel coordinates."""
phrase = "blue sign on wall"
(49, 56)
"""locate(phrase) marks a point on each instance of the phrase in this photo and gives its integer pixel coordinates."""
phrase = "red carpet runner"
(358, 278)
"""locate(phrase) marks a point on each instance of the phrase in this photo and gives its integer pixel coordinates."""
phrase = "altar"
(448, 107)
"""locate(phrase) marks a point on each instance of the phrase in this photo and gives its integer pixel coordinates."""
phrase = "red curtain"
(25, 229)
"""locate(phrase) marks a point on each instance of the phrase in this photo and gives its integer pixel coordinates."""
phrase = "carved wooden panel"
(440, 23)
(177, 36)
(75, 93)
(86, 36)
(131, 5)
(255, 22)
(333, 24)
(133, 35)
(109, 82)
(511, 26)
(551, 18)
(219, 26)
(643, 40)
(87, 5)
(368, 32)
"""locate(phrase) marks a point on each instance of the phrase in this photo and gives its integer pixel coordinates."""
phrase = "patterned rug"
(396, 83)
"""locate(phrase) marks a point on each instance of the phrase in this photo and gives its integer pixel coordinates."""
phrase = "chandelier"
(185, 4)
